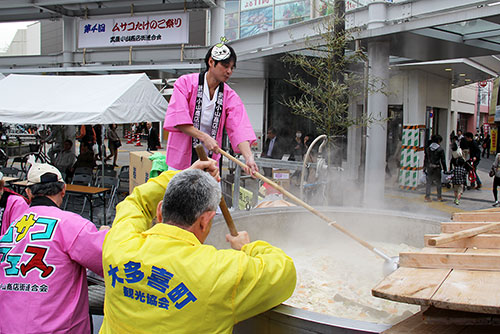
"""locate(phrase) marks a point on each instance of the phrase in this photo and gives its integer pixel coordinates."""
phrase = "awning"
(73, 100)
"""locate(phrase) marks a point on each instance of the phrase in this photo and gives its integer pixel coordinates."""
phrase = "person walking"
(495, 168)
(456, 152)
(87, 135)
(153, 139)
(434, 163)
(474, 157)
(486, 146)
(113, 144)
(98, 138)
(459, 179)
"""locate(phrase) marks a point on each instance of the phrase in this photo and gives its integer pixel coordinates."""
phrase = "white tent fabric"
(74, 100)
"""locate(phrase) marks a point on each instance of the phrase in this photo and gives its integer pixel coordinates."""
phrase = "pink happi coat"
(43, 281)
(180, 111)
(16, 205)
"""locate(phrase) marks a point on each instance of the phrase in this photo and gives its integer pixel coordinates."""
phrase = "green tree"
(335, 77)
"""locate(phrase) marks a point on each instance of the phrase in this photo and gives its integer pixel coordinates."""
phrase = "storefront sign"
(486, 128)
(497, 114)
(253, 4)
(169, 28)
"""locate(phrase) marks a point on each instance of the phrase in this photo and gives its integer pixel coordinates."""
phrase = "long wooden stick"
(307, 206)
(463, 234)
(223, 206)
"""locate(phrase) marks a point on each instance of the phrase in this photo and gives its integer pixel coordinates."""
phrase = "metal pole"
(103, 153)
(478, 107)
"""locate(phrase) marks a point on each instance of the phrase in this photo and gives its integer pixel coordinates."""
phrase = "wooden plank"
(452, 227)
(479, 241)
(435, 315)
(489, 210)
(445, 238)
(410, 285)
(470, 291)
(467, 261)
(436, 250)
(476, 216)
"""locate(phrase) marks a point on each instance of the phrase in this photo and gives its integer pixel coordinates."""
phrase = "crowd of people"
(466, 153)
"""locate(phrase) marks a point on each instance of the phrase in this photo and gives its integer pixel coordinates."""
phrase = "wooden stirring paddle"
(200, 150)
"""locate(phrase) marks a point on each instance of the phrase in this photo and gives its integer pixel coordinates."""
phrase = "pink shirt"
(180, 112)
(16, 206)
(43, 283)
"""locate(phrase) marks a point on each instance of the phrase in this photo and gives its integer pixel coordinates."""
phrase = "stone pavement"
(473, 199)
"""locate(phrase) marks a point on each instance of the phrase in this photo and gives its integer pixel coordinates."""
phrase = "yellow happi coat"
(160, 279)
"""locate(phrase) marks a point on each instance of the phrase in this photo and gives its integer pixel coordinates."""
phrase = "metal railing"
(262, 163)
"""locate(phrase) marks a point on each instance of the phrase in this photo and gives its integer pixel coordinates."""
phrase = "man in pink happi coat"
(43, 256)
(201, 106)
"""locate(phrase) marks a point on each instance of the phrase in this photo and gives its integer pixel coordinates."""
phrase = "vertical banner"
(494, 139)
(168, 28)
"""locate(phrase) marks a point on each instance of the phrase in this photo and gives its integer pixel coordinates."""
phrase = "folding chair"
(11, 171)
(83, 170)
(83, 180)
(124, 185)
(109, 182)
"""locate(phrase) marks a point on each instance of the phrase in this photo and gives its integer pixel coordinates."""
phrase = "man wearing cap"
(12, 206)
(43, 283)
(163, 279)
(201, 107)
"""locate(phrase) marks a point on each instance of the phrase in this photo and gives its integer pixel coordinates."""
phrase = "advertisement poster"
(168, 28)
(256, 21)
(494, 134)
(494, 97)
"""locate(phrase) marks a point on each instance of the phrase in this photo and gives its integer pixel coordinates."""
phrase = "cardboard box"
(140, 167)
(282, 177)
(281, 174)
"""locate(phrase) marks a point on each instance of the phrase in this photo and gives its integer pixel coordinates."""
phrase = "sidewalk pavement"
(473, 199)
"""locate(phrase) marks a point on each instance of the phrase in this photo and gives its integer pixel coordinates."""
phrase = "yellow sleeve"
(136, 212)
(266, 278)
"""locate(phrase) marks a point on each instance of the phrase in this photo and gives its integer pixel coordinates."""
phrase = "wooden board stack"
(458, 269)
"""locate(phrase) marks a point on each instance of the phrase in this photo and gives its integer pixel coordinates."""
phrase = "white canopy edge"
(74, 100)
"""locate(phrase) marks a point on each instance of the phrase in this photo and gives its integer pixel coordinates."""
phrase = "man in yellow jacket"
(162, 279)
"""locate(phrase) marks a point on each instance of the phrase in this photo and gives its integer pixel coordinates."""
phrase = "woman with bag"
(495, 173)
(113, 144)
(456, 152)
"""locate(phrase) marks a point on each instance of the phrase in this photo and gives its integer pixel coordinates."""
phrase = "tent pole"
(103, 153)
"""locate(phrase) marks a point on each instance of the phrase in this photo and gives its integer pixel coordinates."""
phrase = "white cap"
(43, 173)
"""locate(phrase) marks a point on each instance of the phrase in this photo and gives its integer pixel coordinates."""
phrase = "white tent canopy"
(73, 100)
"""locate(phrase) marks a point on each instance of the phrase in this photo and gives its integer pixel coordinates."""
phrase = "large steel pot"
(291, 227)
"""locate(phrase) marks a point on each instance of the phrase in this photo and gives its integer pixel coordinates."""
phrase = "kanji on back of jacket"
(162, 278)
(43, 281)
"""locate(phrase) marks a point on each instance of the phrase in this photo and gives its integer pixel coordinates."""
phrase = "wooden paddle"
(200, 150)
(391, 262)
